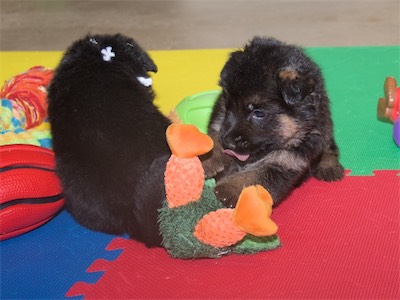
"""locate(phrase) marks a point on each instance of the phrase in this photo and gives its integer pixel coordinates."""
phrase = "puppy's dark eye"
(258, 113)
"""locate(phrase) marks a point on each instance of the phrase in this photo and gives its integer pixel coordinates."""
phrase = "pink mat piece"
(340, 240)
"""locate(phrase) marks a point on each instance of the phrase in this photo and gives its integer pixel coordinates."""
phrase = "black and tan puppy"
(108, 137)
(272, 124)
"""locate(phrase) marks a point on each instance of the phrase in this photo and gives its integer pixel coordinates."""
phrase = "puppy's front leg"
(214, 161)
(328, 167)
(279, 172)
(229, 188)
(278, 182)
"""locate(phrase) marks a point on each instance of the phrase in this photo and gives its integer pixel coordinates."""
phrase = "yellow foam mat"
(181, 72)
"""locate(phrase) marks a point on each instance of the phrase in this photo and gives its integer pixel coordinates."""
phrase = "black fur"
(109, 138)
(275, 110)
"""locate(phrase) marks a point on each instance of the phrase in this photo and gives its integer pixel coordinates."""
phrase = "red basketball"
(30, 191)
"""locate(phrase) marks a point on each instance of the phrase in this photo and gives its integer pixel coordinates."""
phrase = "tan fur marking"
(174, 117)
(288, 73)
(289, 127)
(284, 158)
(290, 131)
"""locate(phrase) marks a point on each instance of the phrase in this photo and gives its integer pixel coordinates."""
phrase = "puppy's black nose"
(238, 139)
(241, 142)
(229, 144)
(234, 143)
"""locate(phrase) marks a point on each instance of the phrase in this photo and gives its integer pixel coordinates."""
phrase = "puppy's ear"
(230, 70)
(294, 85)
(148, 63)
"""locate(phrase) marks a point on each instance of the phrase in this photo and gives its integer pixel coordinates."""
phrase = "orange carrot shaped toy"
(193, 222)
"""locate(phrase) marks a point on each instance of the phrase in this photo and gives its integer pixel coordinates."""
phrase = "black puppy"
(108, 137)
(272, 124)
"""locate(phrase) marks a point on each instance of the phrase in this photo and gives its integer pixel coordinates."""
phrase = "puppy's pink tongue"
(242, 157)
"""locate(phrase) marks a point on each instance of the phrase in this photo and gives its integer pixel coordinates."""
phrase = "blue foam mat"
(47, 261)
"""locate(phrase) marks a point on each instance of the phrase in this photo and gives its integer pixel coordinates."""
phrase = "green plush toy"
(193, 222)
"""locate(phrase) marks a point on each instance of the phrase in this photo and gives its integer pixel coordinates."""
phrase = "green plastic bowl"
(196, 109)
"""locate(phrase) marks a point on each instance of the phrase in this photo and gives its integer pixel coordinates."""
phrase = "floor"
(192, 24)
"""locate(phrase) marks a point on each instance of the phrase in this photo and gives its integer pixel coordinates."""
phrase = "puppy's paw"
(228, 193)
(329, 170)
(212, 165)
(212, 168)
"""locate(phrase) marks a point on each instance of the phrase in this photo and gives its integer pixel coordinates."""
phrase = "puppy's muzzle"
(236, 146)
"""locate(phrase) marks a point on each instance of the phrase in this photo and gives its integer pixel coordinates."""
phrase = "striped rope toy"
(23, 108)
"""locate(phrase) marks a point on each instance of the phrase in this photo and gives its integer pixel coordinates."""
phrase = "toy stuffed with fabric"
(193, 223)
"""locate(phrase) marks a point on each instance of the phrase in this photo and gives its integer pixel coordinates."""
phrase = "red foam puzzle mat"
(340, 241)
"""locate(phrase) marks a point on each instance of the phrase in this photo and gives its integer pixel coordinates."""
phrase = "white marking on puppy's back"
(107, 53)
(93, 41)
(146, 81)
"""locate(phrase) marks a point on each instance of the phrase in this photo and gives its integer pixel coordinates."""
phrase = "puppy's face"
(253, 126)
(109, 50)
(271, 97)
